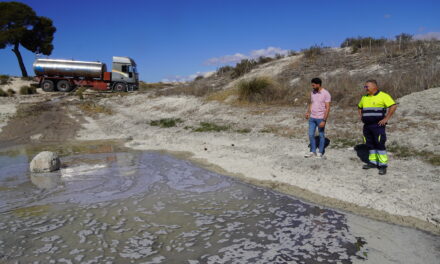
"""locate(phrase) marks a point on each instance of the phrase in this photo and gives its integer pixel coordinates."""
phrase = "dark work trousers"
(375, 138)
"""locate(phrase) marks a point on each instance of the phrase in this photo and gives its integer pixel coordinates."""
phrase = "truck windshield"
(130, 68)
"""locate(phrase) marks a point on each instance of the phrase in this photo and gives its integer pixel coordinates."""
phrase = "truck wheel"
(64, 86)
(47, 86)
(120, 87)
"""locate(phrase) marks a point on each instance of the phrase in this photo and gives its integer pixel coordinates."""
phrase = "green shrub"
(10, 92)
(5, 79)
(292, 53)
(362, 42)
(27, 90)
(404, 37)
(313, 52)
(198, 78)
(262, 60)
(3, 93)
(243, 67)
(166, 122)
(79, 92)
(259, 89)
(209, 127)
(279, 56)
(224, 70)
(243, 131)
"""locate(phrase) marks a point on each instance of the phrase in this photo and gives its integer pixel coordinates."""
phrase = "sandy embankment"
(407, 195)
(7, 110)
(8, 105)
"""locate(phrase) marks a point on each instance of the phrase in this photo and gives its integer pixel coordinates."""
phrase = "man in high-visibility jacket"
(373, 113)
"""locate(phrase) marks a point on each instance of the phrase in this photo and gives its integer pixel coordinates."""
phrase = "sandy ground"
(41, 117)
(7, 110)
(407, 195)
(8, 105)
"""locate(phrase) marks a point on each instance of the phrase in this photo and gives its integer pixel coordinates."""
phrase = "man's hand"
(383, 122)
(322, 124)
(307, 115)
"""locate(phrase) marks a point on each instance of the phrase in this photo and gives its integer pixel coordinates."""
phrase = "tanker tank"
(69, 68)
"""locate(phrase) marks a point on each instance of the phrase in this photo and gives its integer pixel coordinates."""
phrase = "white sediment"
(407, 195)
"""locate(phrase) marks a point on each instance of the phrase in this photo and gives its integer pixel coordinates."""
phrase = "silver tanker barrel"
(69, 68)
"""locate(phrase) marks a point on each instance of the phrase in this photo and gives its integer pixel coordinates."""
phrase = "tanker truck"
(66, 75)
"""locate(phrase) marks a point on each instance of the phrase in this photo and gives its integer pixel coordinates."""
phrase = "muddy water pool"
(112, 205)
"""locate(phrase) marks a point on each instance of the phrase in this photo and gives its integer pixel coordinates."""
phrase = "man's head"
(371, 87)
(316, 83)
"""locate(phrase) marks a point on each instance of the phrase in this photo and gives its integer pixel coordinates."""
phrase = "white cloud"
(226, 59)
(386, 16)
(428, 36)
(188, 78)
(229, 59)
(268, 52)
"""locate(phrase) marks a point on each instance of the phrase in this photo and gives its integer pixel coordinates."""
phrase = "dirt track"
(45, 121)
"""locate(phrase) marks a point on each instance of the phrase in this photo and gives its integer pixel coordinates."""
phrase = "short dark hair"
(372, 81)
(316, 81)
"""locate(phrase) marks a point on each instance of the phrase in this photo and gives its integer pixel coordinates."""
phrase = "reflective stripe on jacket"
(374, 107)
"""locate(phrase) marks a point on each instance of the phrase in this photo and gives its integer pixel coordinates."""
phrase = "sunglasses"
(366, 87)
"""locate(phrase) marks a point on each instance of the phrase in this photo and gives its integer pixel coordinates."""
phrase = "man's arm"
(388, 116)
(309, 109)
(360, 113)
(327, 110)
(326, 114)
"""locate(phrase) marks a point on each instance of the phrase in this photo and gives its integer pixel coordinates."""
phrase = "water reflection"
(46, 180)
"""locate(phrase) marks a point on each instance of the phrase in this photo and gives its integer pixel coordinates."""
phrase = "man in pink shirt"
(317, 114)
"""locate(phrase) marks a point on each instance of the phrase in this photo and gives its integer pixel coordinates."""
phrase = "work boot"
(369, 166)
(382, 170)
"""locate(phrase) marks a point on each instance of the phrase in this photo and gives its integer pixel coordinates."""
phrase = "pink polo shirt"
(318, 103)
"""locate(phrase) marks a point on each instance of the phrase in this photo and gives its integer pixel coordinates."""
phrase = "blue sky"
(171, 40)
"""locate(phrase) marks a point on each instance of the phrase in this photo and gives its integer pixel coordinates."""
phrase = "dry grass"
(211, 127)
(261, 90)
(92, 108)
(223, 95)
(194, 88)
(283, 131)
(143, 86)
(407, 152)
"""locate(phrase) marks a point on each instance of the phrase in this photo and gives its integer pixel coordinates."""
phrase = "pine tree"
(19, 25)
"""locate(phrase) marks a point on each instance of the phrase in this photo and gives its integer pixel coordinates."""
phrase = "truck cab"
(124, 74)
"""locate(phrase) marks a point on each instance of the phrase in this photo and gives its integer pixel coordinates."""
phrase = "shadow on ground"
(362, 152)
(326, 143)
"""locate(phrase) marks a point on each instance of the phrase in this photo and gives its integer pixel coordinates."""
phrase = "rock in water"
(45, 161)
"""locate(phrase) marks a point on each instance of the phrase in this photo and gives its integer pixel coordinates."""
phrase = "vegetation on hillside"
(401, 65)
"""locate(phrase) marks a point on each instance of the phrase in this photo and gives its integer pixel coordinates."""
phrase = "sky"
(173, 40)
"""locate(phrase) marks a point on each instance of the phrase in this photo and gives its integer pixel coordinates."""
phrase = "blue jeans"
(313, 124)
